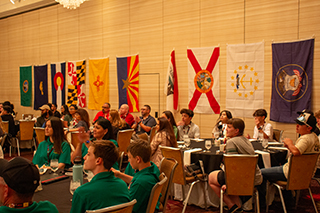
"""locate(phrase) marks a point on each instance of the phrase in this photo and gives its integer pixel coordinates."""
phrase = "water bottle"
(77, 170)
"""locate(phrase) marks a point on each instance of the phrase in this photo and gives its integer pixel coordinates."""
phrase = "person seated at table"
(65, 116)
(54, 110)
(145, 177)
(221, 125)
(111, 191)
(145, 122)
(55, 146)
(104, 112)
(168, 115)
(102, 130)
(164, 137)
(45, 115)
(186, 126)
(261, 126)
(19, 178)
(236, 144)
(125, 115)
(6, 116)
(12, 112)
(72, 110)
(308, 142)
(82, 116)
(117, 123)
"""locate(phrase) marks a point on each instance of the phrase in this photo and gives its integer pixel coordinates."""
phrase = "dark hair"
(140, 148)
(170, 117)
(84, 115)
(165, 126)
(105, 124)
(148, 107)
(75, 106)
(58, 134)
(66, 110)
(50, 105)
(237, 123)
(228, 113)
(108, 104)
(189, 112)
(260, 112)
(53, 104)
(7, 108)
(106, 150)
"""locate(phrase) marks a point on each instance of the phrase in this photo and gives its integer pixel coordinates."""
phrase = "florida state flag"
(203, 69)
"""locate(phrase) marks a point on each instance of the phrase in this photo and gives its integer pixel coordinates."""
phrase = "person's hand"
(83, 136)
(287, 142)
(137, 119)
(181, 123)
(248, 136)
(115, 172)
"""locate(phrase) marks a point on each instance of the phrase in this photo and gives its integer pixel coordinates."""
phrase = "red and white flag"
(203, 68)
(76, 83)
(171, 86)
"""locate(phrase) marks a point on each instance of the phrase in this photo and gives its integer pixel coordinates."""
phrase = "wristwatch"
(139, 122)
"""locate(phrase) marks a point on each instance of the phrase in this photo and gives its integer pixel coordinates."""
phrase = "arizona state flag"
(58, 73)
(40, 86)
(98, 83)
(26, 85)
(128, 82)
(76, 83)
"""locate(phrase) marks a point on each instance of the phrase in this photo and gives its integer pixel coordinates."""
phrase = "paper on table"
(265, 158)
(187, 154)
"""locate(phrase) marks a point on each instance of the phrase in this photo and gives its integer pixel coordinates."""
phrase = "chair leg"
(314, 204)
(18, 146)
(282, 200)
(257, 202)
(10, 150)
(185, 202)
(267, 197)
(204, 195)
(297, 198)
(221, 201)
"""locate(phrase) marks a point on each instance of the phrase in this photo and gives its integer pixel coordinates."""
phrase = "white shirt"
(266, 128)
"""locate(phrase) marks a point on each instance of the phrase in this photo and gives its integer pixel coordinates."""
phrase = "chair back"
(120, 208)
(153, 132)
(277, 134)
(40, 134)
(26, 130)
(240, 173)
(144, 136)
(74, 139)
(167, 166)
(177, 154)
(301, 170)
(5, 125)
(123, 139)
(155, 193)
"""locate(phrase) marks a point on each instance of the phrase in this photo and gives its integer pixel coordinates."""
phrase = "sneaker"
(234, 209)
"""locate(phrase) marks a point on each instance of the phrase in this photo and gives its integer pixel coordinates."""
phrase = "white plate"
(69, 173)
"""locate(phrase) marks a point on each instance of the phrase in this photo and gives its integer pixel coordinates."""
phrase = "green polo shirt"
(102, 191)
(42, 206)
(141, 186)
(41, 156)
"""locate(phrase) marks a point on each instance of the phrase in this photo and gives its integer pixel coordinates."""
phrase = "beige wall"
(101, 28)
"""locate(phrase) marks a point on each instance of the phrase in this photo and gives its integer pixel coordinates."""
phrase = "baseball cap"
(307, 118)
(20, 174)
(45, 106)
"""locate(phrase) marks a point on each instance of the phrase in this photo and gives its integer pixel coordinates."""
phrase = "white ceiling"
(8, 9)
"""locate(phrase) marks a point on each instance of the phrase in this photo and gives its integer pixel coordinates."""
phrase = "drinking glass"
(187, 141)
(216, 135)
(74, 185)
(54, 164)
(208, 145)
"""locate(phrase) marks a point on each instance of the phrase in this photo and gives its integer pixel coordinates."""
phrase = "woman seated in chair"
(236, 144)
(102, 130)
(82, 116)
(72, 110)
(164, 137)
(117, 123)
(65, 115)
(54, 147)
(168, 115)
(221, 125)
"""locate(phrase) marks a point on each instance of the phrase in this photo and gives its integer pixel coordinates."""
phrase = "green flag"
(26, 85)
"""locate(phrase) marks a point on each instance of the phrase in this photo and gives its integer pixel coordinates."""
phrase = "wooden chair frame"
(120, 208)
(155, 193)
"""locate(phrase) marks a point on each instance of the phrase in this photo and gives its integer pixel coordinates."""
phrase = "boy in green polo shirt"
(111, 190)
(142, 182)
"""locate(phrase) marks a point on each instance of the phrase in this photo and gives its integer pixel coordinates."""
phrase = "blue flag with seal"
(26, 86)
(58, 75)
(40, 86)
(292, 65)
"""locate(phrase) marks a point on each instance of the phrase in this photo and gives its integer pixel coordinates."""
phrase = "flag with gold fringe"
(58, 75)
(26, 85)
(98, 83)
(40, 86)
(76, 83)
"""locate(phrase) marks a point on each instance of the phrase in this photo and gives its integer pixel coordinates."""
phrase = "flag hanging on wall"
(40, 86)
(76, 83)
(203, 69)
(245, 78)
(292, 72)
(26, 86)
(98, 83)
(128, 82)
(58, 74)
(171, 86)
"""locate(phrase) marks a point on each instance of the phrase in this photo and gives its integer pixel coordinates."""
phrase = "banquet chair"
(144, 136)
(40, 135)
(167, 166)
(155, 193)
(153, 132)
(26, 133)
(124, 139)
(239, 176)
(120, 208)
(10, 138)
(5, 125)
(179, 176)
(277, 134)
(301, 170)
